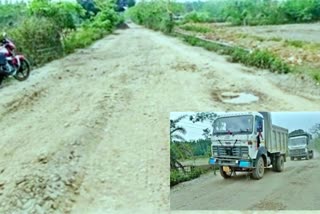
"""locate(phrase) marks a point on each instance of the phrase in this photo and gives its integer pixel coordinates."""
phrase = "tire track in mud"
(51, 182)
(297, 180)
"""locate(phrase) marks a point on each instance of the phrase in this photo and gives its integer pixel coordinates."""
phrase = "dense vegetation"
(46, 30)
(315, 130)
(156, 14)
(181, 149)
(252, 12)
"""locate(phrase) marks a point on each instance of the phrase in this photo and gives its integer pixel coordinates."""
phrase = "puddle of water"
(238, 98)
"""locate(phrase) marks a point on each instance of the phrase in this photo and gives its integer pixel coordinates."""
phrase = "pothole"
(238, 97)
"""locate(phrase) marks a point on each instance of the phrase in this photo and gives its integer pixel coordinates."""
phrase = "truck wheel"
(279, 164)
(224, 174)
(258, 172)
(291, 158)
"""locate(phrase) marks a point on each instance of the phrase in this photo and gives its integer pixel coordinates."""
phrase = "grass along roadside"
(178, 176)
(257, 58)
(283, 56)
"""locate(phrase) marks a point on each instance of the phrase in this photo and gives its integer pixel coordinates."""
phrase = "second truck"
(300, 145)
(248, 142)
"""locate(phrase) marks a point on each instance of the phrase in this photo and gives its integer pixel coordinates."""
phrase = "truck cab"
(240, 142)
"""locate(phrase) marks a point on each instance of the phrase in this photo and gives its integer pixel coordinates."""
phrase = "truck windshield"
(233, 125)
(298, 141)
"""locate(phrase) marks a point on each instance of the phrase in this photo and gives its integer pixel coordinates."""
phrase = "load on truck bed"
(248, 142)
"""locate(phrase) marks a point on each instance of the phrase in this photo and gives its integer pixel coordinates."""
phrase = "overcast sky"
(289, 120)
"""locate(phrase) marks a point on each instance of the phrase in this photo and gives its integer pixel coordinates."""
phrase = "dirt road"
(89, 132)
(296, 188)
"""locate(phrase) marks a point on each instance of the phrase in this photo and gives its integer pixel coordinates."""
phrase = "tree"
(206, 133)
(316, 130)
(131, 3)
(176, 131)
(176, 136)
(203, 116)
(89, 6)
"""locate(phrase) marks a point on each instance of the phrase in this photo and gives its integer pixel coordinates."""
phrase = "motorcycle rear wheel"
(23, 72)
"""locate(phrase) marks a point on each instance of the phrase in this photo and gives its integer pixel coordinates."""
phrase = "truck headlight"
(245, 155)
(215, 154)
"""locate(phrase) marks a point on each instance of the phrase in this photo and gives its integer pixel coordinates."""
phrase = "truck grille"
(297, 152)
(236, 151)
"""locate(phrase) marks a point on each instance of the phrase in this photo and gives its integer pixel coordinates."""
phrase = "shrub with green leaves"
(102, 24)
(34, 35)
(177, 176)
(63, 14)
(250, 12)
(197, 17)
(156, 15)
(12, 13)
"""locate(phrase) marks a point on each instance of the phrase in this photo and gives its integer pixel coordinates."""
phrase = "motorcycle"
(12, 64)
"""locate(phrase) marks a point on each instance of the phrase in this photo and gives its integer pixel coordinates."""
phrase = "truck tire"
(258, 172)
(279, 165)
(224, 174)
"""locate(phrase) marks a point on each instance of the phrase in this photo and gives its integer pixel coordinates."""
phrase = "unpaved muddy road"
(88, 133)
(296, 188)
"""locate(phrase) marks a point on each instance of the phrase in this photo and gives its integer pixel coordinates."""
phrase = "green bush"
(63, 14)
(250, 12)
(177, 176)
(34, 35)
(197, 17)
(12, 13)
(50, 30)
(96, 28)
(156, 15)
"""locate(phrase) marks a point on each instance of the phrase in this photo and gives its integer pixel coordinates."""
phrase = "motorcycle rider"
(3, 41)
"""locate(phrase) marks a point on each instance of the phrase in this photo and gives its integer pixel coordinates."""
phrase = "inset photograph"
(244, 160)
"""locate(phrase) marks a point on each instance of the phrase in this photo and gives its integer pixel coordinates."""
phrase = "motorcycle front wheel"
(23, 72)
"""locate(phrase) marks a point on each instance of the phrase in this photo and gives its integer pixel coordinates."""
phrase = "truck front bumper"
(297, 153)
(242, 163)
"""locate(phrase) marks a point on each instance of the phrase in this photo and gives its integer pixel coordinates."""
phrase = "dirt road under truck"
(296, 188)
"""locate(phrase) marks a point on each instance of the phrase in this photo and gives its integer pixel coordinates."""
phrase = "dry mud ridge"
(296, 188)
(88, 133)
